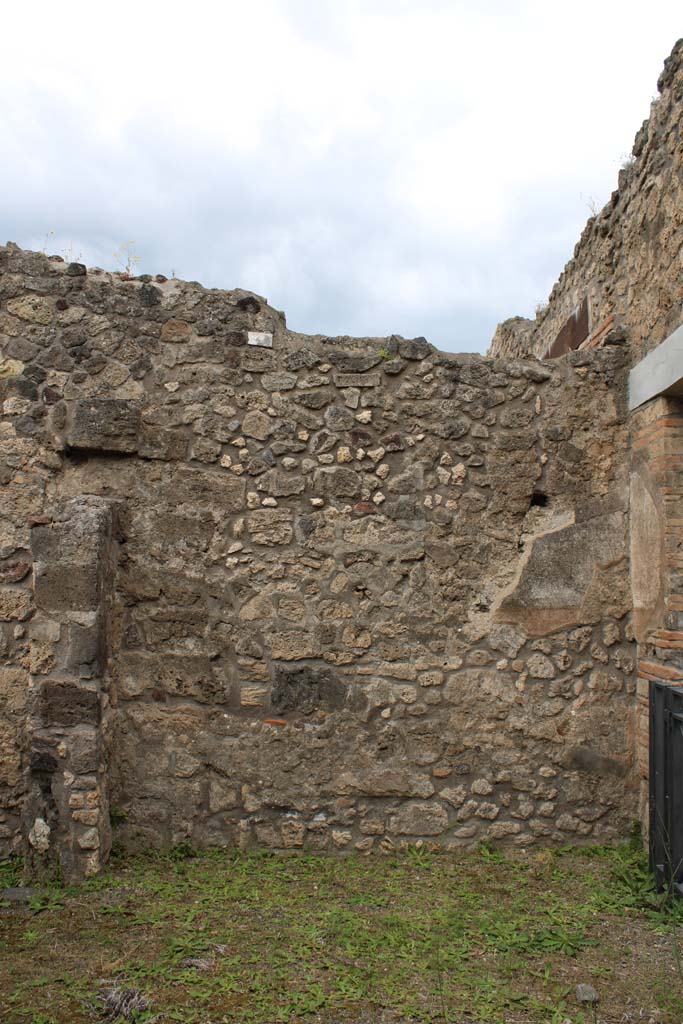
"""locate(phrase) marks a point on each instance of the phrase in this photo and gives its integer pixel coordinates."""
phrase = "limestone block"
(419, 819)
(257, 608)
(502, 829)
(177, 675)
(280, 381)
(454, 795)
(257, 424)
(270, 527)
(222, 796)
(10, 368)
(291, 608)
(39, 836)
(281, 485)
(487, 810)
(34, 308)
(13, 688)
(13, 683)
(540, 667)
(89, 839)
(15, 605)
(385, 782)
(568, 823)
(253, 696)
(337, 482)
(293, 833)
(86, 817)
(41, 658)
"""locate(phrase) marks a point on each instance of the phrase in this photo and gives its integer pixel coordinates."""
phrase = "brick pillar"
(67, 814)
(656, 520)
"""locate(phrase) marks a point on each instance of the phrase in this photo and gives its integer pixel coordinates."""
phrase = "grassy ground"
(221, 937)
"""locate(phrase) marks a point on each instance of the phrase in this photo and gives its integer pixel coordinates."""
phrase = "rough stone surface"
(104, 424)
(263, 588)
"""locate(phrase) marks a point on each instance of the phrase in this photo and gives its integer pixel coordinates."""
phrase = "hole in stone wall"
(80, 455)
(539, 500)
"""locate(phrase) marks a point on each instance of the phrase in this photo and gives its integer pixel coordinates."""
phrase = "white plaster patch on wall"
(261, 338)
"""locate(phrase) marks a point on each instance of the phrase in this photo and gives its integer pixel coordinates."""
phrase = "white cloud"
(372, 166)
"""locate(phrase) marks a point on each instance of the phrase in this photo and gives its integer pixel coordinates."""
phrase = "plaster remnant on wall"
(262, 339)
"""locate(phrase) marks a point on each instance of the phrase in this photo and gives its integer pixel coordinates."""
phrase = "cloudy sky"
(371, 166)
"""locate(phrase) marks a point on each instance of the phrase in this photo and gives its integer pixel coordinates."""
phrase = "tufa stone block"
(66, 703)
(104, 424)
(357, 380)
(67, 587)
(416, 818)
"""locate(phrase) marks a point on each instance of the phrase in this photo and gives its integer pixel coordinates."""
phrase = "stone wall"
(628, 261)
(624, 286)
(265, 588)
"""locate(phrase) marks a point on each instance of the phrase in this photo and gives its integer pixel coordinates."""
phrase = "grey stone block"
(67, 587)
(306, 689)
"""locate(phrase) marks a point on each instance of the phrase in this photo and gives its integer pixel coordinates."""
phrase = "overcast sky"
(370, 166)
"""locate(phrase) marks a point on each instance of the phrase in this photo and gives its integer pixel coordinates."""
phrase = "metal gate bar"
(666, 785)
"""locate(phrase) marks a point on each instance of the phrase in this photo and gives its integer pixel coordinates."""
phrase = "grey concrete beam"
(659, 373)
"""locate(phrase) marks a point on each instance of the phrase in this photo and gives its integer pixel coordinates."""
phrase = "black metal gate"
(666, 785)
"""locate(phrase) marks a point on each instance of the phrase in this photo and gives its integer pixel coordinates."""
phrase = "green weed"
(257, 938)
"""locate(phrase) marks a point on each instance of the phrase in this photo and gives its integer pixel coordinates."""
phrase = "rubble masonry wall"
(260, 587)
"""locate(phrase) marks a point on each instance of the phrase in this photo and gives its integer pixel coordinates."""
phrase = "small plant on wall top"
(127, 259)
(46, 242)
(69, 253)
